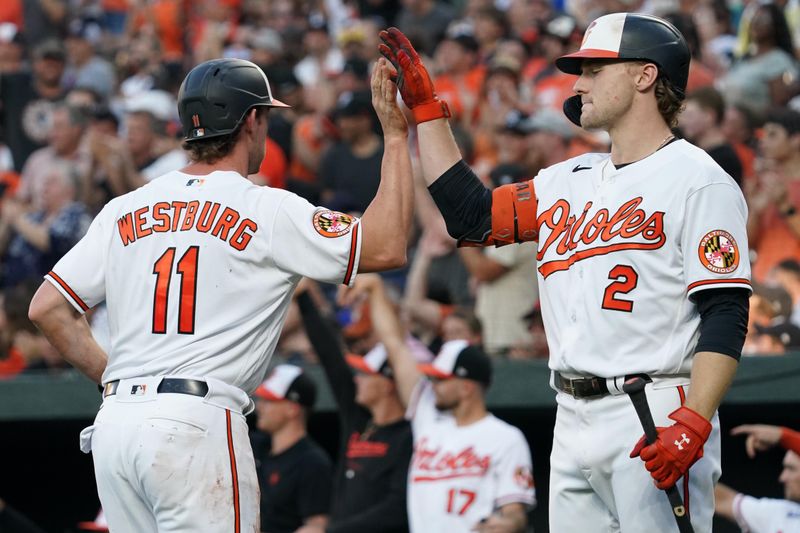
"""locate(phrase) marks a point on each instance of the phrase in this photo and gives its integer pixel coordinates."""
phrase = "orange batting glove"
(677, 448)
(413, 80)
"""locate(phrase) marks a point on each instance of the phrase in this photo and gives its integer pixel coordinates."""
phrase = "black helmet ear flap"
(572, 109)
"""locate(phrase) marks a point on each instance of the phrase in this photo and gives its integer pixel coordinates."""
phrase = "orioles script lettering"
(629, 223)
(433, 464)
(223, 222)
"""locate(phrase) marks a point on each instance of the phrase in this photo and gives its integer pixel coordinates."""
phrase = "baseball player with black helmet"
(197, 269)
(643, 272)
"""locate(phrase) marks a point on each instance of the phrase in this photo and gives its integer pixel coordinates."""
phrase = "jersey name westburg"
(628, 223)
(185, 216)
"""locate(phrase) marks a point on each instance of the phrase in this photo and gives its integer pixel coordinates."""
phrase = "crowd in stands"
(88, 112)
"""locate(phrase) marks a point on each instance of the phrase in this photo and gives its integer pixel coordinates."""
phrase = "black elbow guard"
(464, 202)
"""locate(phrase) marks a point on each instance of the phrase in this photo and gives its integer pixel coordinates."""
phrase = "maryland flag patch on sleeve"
(332, 223)
(718, 252)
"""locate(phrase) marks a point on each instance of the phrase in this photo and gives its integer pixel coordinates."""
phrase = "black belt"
(167, 385)
(588, 387)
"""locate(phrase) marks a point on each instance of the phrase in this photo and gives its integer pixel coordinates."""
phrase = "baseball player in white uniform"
(642, 267)
(765, 515)
(470, 471)
(197, 269)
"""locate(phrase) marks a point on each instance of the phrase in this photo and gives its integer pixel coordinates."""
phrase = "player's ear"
(646, 76)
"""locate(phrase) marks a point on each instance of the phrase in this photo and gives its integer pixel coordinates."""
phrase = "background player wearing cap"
(642, 267)
(375, 439)
(294, 472)
(470, 470)
(766, 515)
(197, 270)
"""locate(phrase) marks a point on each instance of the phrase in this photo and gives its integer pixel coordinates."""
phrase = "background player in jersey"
(294, 472)
(197, 269)
(631, 273)
(765, 515)
(469, 471)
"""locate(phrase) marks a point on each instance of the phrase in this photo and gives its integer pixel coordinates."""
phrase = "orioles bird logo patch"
(718, 252)
(332, 223)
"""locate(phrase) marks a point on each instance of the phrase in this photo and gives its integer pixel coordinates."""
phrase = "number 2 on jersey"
(187, 269)
(626, 280)
(468, 498)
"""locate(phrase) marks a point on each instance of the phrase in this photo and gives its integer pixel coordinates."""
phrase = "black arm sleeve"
(723, 320)
(464, 202)
(391, 515)
(327, 345)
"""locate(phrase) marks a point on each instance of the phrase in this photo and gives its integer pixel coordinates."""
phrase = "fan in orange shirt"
(461, 76)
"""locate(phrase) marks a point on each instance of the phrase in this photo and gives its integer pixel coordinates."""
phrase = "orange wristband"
(431, 111)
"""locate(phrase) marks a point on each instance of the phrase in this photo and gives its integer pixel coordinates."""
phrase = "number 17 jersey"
(622, 250)
(198, 272)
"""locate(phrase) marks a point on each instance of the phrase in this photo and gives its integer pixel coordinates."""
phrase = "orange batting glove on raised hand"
(413, 80)
(677, 448)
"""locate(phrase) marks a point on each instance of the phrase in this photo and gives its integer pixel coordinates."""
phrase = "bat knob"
(634, 384)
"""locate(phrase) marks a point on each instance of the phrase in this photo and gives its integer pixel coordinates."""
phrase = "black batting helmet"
(634, 37)
(216, 95)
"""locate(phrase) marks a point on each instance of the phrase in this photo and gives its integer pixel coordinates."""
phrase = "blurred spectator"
(12, 49)
(153, 152)
(425, 17)
(375, 438)
(322, 58)
(738, 126)
(281, 120)
(460, 323)
(27, 100)
(267, 51)
(460, 76)
(559, 36)
(760, 79)
(29, 351)
(778, 338)
(774, 223)
(701, 124)
(64, 142)
(32, 242)
(86, 68)
(767, 304)
(713, 21)
(294, 472)
(765, 514)
(386, 10)
(354, 76)
(491, 485)
(140, 65)
(699, 74)
(787, 275)
(350, 169)
(166, 20)
(526, 16)
(491, 26)
(506, 287)
(548, 141)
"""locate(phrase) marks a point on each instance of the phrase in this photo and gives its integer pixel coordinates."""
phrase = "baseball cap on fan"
(375, 362)
(460, 359)
(288, 382)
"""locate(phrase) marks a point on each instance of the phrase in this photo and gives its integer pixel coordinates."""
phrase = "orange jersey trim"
(237, 523)
(737, 281)
(348, 275)
(563, 264)
(69, 290)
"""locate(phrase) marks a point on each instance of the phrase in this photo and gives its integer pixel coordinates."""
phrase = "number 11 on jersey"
(187, 269)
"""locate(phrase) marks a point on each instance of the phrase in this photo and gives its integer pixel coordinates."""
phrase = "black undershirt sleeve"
(464, 202)
(723, 320)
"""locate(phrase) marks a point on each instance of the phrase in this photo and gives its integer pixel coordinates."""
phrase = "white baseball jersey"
(459, 475)
(766, 515)
(622, 250)
(198, 273)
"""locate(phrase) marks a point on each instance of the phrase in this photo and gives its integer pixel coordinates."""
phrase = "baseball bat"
(634, 388)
